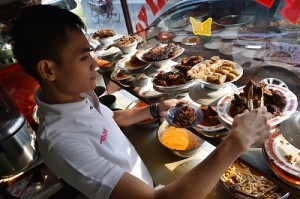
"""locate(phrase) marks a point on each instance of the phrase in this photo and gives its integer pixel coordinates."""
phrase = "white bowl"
(216, 86)
(110, 53)
(128, 48)
(105, 40)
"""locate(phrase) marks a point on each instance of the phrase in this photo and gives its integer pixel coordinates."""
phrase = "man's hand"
(164, 106)
(251, 128)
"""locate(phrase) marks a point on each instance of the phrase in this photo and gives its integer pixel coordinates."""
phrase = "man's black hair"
(41, 33)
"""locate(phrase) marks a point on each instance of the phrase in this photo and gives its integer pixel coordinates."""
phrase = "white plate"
(219, 86)
(148, 91)
(114, 75)
(229, 48)
(179, 38)
(202, 40)
(288, 110)
(109, 52)
(277, 148)
(274, 63)
(228, 34)
(236, 21)
(124, 64)
(174, 88)
(214, 128)
(292, 51)
(159, 62)
(213, 44)
(201, 94)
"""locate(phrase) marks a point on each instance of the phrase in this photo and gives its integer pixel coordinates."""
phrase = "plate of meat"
(160, 54)
(184, 115)
(175, 80)
(280, 101)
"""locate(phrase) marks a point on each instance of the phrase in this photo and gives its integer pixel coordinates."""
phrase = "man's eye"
(84, 58)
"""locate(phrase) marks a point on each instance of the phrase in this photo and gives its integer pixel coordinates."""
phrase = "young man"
(80, 139)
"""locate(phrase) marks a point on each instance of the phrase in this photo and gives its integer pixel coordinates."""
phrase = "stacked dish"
(108, 54)
(132, 64)
(283, 159)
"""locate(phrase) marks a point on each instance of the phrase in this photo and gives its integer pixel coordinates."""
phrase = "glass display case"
(263, 45)
(258, 42)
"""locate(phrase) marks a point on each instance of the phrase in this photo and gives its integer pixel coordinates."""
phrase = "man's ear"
(46, 69)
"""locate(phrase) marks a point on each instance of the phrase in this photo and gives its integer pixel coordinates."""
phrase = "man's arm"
(247, 129)
(133, 116)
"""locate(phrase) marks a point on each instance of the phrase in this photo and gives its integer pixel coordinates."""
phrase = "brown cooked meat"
(183, 69)
(159, 52)
(274, 100)
(192, 60)
(185, 117)
(170, 78)
(103, 33)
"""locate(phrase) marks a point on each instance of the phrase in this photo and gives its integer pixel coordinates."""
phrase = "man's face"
(76, 73)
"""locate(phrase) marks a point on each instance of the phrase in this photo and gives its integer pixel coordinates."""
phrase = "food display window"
(219, 54)
(225, 56)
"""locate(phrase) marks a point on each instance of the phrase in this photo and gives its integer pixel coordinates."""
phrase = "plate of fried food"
(280, 102)
(216, 73)
(176, 80)
(160, 54)
(104, 36)
(127, 43)
(172, 81)
(244, 183)
(184, 115)
(119, 75)
(132, 63)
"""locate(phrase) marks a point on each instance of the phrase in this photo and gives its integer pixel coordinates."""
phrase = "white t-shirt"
(81, 143)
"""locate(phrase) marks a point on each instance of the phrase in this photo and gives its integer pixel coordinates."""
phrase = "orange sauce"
(179, 139)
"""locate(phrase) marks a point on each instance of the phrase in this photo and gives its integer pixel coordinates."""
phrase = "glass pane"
(104, 14)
